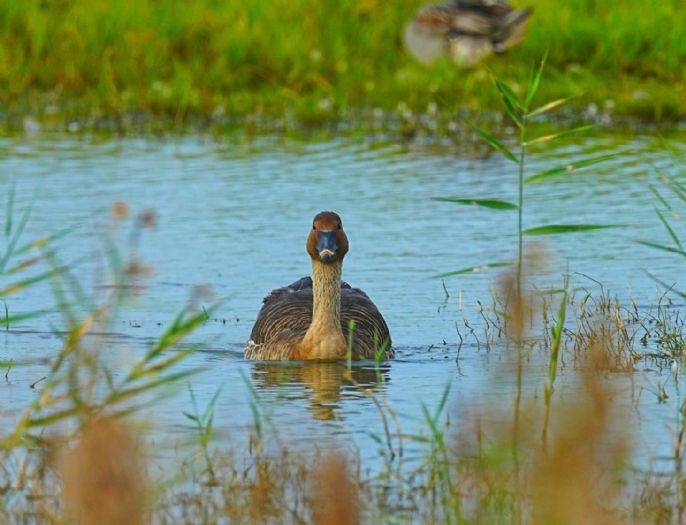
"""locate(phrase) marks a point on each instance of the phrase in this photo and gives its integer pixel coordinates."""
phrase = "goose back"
(286, 315)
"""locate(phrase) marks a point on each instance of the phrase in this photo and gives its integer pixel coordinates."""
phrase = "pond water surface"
(233, 216)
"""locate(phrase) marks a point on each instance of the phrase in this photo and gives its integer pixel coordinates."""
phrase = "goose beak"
(327, 245)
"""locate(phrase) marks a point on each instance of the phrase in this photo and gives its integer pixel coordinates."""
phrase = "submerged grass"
(110, 59)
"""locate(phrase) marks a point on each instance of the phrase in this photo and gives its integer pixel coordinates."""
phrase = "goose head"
(327, 241)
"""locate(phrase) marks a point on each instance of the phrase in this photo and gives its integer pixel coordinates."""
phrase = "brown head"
(327, 241)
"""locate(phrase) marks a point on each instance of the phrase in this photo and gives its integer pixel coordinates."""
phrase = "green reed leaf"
(669, 288)
(512, 112)
(511, 102)
(552, 229)
(180, 327)
(663, 247)
(14, 238)
(535, 81)
(190, 416)
(209, 409)
(551, 291)
(53, 418)
(678, 188)
(10, 211)
(20, 285)
(380, 351)
(669, 229)
(8, 320)
(547, 107)
(495, 143)
(569, 168)
(444, 399)
(508, 94)
(662, 200)
(44, 241)
(22, 265)
(557, 332)
(474, 269)
(168, 379)
(162, 365)
(495, 204)
(555, 136)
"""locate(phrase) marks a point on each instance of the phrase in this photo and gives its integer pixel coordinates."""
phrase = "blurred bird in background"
(465, 30)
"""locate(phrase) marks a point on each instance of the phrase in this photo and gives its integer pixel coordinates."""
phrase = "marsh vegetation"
(530, 269)
(509, 397)
(268, 65)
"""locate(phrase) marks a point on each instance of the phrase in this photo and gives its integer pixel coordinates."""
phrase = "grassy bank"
(313, 62)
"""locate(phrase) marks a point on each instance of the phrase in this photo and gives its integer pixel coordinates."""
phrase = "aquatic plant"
(521, 111)
(19, 257)
(678, 190)
(205, 425)
(79, 387)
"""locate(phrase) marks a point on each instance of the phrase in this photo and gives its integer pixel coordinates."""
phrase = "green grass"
(314, 62)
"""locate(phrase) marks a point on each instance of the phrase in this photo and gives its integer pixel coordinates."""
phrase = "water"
(234, 217)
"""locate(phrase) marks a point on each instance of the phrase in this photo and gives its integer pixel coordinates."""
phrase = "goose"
(465, 30)
(310, 318)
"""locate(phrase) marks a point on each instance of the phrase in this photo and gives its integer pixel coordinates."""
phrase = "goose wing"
(496, 20)
(476, 18)
(286, 310)
(371, 331)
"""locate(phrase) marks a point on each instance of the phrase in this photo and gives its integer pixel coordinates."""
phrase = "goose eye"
(314, 227)
(339, 225)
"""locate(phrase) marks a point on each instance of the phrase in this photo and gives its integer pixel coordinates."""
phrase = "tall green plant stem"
(520, 211)
(520, 251)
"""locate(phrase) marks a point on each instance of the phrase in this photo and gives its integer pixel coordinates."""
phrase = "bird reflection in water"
(323, 384)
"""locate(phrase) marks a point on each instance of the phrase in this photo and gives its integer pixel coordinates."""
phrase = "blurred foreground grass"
(312, 62)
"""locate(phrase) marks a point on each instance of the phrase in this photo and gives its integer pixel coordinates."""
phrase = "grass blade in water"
(20, 285)
(556, 344)
(495, 204)
(569, 168)
(14, 239)
(535, 81)
(11, 319)
(512, 112)
(662, 247)
(552, 229)
(474, 269)
(42, 241)
(10, 211)
(662, 200)
(548, 106)
(669, 229)
(507, 93)
(495, 143)
(555, 136)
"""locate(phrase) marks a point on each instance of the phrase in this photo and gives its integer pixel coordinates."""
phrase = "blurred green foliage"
(320, 60)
